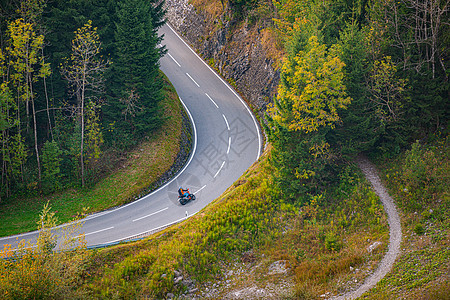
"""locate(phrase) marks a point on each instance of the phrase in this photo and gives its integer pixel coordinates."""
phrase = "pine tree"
(134, 74)
(358, 132)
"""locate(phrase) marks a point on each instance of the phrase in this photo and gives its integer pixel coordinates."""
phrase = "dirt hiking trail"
(395, 231)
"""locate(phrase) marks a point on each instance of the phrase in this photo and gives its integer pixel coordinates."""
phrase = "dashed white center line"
(212, 100)
(200, 189)
(219, 169)
(156, 212)
(94, 232)
(229, 144)
(192, 79)
(226, 121)
(174, 60)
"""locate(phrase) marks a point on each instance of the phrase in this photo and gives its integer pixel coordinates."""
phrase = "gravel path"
(395, 231)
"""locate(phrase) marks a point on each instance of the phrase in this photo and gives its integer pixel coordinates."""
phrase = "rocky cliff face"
(235, 49)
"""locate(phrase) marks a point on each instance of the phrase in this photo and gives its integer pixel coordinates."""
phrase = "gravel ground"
(395, 231)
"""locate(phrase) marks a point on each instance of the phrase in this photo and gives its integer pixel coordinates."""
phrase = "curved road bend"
(228, 142)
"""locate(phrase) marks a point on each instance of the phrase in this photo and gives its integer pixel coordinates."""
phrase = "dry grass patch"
(272, 45)
(214, 8)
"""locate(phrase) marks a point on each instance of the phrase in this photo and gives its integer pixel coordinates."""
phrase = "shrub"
(332, 242)
(418, 229)
(36, 272)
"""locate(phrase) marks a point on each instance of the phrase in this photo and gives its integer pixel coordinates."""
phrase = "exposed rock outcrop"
(233, 48)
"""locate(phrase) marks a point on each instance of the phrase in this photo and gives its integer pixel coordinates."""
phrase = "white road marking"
(219, 169)
(228, 86)
(200, 189)
(94, 232)
(151, 230)
(174, 60)
(192, 79)
(170, 181)
(156, 212)
(229, 144)
(226, 121)
(212, 100)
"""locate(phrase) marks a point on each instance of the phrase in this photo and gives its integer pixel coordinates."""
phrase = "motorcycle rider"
(183, 192)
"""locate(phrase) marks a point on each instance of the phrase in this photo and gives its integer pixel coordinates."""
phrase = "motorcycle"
(185, 199)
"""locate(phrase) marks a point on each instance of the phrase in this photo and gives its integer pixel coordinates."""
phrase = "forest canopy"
(78, 78)
(359, 76)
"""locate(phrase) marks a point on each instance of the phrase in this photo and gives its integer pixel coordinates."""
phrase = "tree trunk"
(35, 132)
(46, 99)
(82, 124)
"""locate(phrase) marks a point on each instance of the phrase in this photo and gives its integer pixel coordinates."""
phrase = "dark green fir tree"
(133, 108)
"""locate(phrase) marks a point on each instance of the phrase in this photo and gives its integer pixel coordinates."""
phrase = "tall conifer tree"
(134, 84)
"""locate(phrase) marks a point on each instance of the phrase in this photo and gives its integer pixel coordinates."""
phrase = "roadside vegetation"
(320, 242)
(352, 80)
(35, 271)
(135, 171)
(419, 180)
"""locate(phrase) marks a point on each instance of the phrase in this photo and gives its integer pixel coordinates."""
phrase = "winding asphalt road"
(227, 142)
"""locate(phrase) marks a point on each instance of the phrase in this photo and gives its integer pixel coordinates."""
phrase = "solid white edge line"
(192, 79)
(200, 189)
(144, 232)
(220, 169)
(18, 235)
(154, 213)
(181, 172)
(138, 200)
(94, 232)
(229, 144)
(226, 84)
(226, 121)
(174, 59)
(212, 100)
(131, 203)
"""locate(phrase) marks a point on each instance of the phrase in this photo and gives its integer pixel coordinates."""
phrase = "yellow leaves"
(304, 174)
(313, 86)
(23, 57)
(86, 43)
(320, 150)
(25, 44)
(386, 89)
(94, 136)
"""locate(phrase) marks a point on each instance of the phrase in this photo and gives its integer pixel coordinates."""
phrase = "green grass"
(419, 182)
(319, 249)
(144, 165)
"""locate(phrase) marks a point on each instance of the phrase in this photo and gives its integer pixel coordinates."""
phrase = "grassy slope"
(423, 269)
(320, 244)
(419, 181)
(229, 246)
(325, 247)
(143, 166)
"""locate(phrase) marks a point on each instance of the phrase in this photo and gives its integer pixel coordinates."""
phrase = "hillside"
(334, 82)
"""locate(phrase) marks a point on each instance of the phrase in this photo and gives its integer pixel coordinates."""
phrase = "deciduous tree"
(84, 72)
(306, 109)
